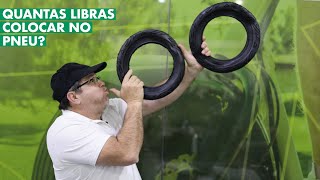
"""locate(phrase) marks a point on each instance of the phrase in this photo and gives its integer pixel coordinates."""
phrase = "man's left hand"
(193, 67)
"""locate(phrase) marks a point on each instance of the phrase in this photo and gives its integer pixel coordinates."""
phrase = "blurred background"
(259, 122)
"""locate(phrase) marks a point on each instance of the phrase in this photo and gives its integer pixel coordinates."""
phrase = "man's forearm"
(131, 134)
(150, 106)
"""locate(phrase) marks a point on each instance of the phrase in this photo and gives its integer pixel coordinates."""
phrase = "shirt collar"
(73, 114)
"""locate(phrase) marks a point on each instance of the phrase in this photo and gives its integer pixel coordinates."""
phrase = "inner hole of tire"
(152, 64)
(225, 36)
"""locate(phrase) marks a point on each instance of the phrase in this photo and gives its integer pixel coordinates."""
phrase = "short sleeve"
(80, 143)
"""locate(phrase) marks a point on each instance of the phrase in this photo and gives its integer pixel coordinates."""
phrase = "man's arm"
(150, 106)
(192, 70)
(124, 149)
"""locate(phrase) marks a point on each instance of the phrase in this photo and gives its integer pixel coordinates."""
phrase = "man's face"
(93, 92)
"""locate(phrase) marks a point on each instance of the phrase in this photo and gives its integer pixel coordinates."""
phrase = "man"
(98, 138)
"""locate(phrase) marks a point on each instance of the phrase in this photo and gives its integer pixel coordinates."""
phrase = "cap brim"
(88, 70)
(98, 67)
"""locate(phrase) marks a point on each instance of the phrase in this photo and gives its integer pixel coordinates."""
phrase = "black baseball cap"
(68, 75)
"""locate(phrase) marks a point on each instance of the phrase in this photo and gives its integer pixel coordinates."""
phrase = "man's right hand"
(131, 89)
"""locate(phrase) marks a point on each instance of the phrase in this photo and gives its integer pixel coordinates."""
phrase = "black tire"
(232, 10)
(158, 37)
